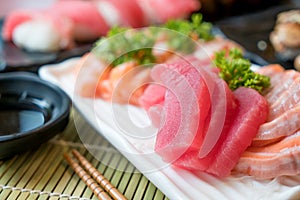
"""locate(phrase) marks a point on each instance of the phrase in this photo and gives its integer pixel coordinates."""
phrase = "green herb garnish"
(235, 70)
(116, 30)
(196, 28)
(124, 44)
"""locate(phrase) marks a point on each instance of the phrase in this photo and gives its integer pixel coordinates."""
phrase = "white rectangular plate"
(122, 125)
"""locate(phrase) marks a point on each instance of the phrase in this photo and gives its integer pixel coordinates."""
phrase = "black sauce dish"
(32, 111)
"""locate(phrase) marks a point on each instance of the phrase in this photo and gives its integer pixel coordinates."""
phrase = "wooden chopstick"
(99, 178)
(92, 177)
(89, 181)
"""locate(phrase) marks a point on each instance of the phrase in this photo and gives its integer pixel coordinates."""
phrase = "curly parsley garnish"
(235, 70)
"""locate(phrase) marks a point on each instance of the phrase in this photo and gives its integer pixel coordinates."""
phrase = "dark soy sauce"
(19, 120)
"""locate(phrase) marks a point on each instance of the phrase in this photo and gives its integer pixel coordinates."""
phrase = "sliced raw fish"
(217, 124)
(88, 24)
(280, 158)
(125, 83)
(129, 11)
(154, 94)
(275, 150)
(251, 113)
(223, 108)
(89, 71)
(158, 11)
(281, 84)
(286, 100)
(270, 70)
(205, 51)
(284, 125)
(87, 20)
(184, 120)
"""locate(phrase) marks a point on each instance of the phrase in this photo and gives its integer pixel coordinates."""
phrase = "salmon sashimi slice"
(271, 70)
(281, 84)
(260, 143)
(287, 100)
(125, 83)
(283, 118)
(106, 87)
(251, 113)
(280, 158)
(286, 124)
(90, 70)
(274, 71)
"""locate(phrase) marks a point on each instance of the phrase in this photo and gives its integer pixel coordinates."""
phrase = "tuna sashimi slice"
(251, 113)
(187, 102)
(89, 25)
(152, 100)
(130, 12)
(218, 122)
(158, 11)
(223, 108)
(154, 94)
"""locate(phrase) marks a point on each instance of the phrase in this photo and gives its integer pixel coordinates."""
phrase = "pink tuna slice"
(154, 94)
(131, 13)
(187, 88)
(152, 101)
(219, 106)
(157, 115)
(171, 9)
(251, 113)
(153, 97)
(223, 106)
(88, 23)
(217, 123)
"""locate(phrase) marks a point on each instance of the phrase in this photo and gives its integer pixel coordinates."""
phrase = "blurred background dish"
(13, 58)
(43, 34)
(239, 20)
(252, 31)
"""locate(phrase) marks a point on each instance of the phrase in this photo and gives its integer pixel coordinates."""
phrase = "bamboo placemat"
(42, 173)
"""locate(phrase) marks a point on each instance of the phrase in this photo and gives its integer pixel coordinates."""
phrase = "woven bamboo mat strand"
(42, 174)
